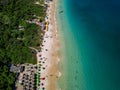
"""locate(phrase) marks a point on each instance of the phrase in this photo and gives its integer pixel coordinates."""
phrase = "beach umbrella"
(31, 67)
(46, 49)
(43, 67)
(42, 84)
(39, 55)
(42, 78)
(39, 69)
(43, 88)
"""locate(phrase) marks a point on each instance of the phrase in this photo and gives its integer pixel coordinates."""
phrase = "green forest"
(15, 43)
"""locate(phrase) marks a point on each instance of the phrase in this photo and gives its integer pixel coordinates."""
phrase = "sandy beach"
(49, 55)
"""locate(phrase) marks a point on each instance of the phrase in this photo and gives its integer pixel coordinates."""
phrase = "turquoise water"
(90, 32)
(70, 65)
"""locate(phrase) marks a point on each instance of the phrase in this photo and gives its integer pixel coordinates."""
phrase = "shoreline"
(50, 51)
(53, 70)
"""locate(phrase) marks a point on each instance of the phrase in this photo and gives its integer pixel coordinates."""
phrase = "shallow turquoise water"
(70, 65)
(90, 31)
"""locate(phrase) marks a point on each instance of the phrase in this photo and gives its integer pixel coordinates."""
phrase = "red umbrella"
(43, 78)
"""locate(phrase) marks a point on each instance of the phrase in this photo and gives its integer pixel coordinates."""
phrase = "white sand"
(50, 57)
(46, 55)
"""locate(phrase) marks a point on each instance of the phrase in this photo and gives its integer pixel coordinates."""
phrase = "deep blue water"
(96, 27)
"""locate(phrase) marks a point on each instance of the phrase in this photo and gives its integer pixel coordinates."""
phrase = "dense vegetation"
(15, 43)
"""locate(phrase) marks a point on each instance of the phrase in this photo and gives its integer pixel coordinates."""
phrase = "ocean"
(90, 32)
